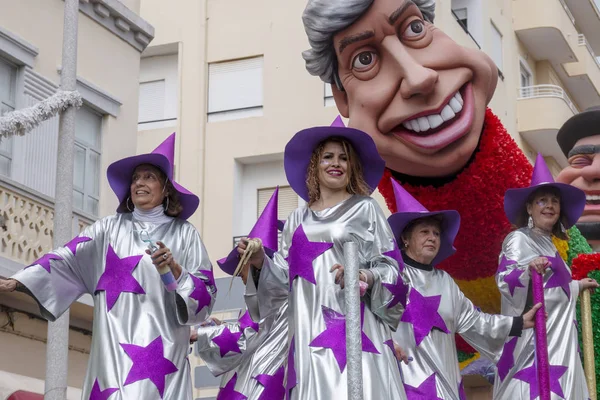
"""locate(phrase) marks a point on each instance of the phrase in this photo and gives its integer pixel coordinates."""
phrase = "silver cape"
(520, 248)
(318, 374)
(436, 353)
(151, 321)
(261, 353)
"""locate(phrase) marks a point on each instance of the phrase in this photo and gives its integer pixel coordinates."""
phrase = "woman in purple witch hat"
(540, 212)
(335, 170)
(149, 275)
(436, 309)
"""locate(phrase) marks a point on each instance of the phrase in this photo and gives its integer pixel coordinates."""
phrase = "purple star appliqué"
(390, 343)
(461, 391)
(507, 359)
(273, 385)
(210, 276)
(425, 391)
(72, 245)
(399, 291)
(422, 313)
(334, 335)
(504, 263)
(228, 392)
(291, 380)
(396, 255)
(227, 341)
(117, 277)
(561, 277)
(98, 394)
(302, 254)
(149, 363)
(529, 375)
(246, 321)
(200, 293)
(513, 281)
(44, 261)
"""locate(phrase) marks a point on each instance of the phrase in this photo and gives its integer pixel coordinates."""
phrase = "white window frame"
(216, 109)
(499, 62)
(7, 105)
(89, 149)
(328, 96)
(524, 67)
(465, 20)
(162, 68)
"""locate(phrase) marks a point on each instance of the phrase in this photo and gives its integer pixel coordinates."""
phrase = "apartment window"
(235, 89)
(328, 96)
(497, 53)
(461, 16)
(526, 79)
(158, 92)
(8, 83)
(86, 170)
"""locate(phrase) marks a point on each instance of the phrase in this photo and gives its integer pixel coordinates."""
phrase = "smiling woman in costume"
(335, 169)
(540, 212)
(143, 305)
(437, 309)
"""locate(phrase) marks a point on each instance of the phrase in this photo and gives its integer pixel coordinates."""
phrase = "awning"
(12, 385)
(22, 395)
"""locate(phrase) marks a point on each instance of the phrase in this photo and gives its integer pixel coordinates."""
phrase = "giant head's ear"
(341, 100)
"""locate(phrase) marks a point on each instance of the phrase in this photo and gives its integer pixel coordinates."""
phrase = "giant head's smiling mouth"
(436, 129)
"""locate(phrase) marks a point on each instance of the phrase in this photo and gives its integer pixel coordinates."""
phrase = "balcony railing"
(583, 42)
(568, 11)
(27, 218)
(540, 91)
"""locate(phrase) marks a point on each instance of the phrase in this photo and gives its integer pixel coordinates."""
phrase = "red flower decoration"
(583, 264)
(477, 193)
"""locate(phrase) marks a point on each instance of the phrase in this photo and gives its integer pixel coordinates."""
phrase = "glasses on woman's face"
(547, 201)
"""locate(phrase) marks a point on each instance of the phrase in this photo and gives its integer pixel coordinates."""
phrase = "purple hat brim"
(572, 201)
(300, 148)
(119, 176)
(229, 263)
(450, 226)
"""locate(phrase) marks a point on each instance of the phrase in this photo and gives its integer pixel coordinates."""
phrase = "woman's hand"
(529, 316)
(588, 283)
(8, 285)
(193, 335)
(539, 265)
(401, 356)
(163, 258)
(258, 256)
(339, 275)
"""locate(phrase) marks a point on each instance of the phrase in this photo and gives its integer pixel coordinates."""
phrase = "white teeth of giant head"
(591, 197)
(432, 121)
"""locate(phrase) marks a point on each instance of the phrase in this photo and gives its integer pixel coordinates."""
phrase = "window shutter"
(235, 85)
(152, 101)
(497, 54)
(287, 202)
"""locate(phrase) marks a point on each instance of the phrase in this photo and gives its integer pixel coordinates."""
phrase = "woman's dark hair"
(523, 217)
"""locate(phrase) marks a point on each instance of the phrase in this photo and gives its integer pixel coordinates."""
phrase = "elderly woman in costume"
(335, 169)
(143, 303)
(540, 212)
(436, 309)
(251, 356)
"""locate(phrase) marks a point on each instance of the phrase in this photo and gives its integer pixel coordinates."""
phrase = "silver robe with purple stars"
(436, 311)
(311, 244)
(252, 363)
(516, 375)
(141, 331)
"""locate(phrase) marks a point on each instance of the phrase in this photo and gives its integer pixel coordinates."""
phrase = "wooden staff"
(588, 343)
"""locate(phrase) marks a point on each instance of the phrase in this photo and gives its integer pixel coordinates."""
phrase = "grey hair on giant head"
(324, 18)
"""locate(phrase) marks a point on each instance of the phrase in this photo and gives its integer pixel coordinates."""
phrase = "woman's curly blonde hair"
(356, 181)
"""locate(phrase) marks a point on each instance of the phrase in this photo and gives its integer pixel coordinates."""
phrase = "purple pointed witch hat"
(120, 173)
(300, 148)
(265, 229)
(572, 199)
(410, 209)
